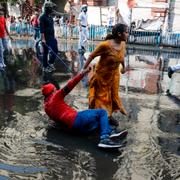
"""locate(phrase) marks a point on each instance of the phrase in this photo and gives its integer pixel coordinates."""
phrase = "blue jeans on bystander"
(3, 46)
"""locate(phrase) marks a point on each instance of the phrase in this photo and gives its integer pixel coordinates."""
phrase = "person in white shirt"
(61, 24)
(83, 29)
(173, 69)
(110, 20)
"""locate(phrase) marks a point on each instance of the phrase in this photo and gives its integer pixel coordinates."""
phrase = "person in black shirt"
(48, 37)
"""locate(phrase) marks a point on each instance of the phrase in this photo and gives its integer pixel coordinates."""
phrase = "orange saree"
(104, 83)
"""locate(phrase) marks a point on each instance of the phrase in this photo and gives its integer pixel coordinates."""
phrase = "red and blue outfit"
(3, 41)
(2, 27)
(35, 23)
(83, 121)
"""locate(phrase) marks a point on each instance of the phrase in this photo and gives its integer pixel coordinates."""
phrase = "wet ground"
(32, 147)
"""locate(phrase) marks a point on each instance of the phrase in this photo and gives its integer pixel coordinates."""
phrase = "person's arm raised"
(99, 50)
(6, 29)
(74, 81)
(88, 61)
(42, 28)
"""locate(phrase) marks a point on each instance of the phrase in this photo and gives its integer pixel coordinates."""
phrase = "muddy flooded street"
(33, 147)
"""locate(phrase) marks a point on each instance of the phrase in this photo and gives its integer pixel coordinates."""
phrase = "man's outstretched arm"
(74, 81)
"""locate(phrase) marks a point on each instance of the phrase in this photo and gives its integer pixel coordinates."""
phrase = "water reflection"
(79, 157)
(172, 124)
(171, 145)
(147, 67)
(31, 147)
(7, 89)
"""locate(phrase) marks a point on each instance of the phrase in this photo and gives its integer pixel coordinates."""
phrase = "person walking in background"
(104, 83)
(110, 20)
(35, 24)
(173, 69)
(19, 26)
(24, 26)
(61, 24)
(56, 26)
(83, 121)
(83, 27)
(48, 37)
(3, 40)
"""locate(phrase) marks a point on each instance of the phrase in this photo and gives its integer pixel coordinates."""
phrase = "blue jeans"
(3, 46)
(37, 33)
(89, 120)
(52, 44)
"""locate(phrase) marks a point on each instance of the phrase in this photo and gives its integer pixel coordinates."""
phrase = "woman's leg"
(116, 100)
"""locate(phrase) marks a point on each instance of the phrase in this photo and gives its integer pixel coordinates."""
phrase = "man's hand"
(11, 38)
(43, 40)
(123, 71)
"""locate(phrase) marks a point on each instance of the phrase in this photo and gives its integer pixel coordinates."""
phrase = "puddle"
(32, 148)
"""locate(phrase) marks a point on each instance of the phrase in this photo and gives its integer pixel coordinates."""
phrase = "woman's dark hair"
(117, 28)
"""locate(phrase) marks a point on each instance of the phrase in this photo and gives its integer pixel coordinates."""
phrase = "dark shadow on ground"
(86, 143)
(174, 98)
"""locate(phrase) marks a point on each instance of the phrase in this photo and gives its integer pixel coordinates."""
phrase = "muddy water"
(32, 147)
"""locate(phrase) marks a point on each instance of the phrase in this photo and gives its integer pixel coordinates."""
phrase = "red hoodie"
(2, 27)
(57, 109)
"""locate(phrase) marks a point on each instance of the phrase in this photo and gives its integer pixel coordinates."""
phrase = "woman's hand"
(123, 70)
(87, 70)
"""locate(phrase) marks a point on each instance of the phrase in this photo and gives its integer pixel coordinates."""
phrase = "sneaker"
(107, 143)
(170, 72)
(47, 69)
(118, 134)
(83, 49)
(52, 67)
(1, 65)
(4, 65)
(113, 121)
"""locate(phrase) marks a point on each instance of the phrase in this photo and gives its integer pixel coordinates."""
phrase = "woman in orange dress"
(104, 83)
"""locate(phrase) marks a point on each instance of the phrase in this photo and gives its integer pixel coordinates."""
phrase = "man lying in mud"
(83, 121)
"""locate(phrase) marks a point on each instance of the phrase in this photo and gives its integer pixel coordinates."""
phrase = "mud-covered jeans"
(3, 46)
(89, 120)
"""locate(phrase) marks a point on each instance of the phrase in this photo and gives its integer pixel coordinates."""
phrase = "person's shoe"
(1, 65)
(170, 72)
(83, 49)
(47, 69)
(118, 134)
(52, 67)
(113, 121)
(107, 143)
(4, 65)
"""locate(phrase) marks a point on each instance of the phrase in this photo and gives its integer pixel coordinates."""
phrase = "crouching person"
(83, 121)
